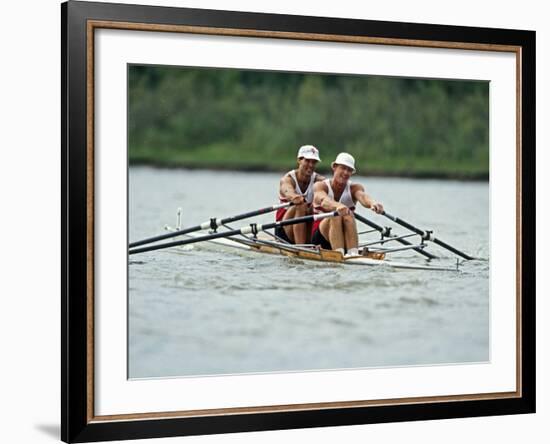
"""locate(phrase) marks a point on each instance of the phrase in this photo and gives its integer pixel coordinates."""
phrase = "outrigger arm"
(250, 229)
(427, 235)
(213, 224)
(385, 232)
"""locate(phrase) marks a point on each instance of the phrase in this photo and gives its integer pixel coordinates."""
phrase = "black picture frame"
(78, 423)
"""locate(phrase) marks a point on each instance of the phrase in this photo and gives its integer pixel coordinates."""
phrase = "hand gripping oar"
(213, 224)
(426, 235)
(385, 233)
(250, 229)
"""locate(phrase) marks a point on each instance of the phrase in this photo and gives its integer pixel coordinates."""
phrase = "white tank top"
(346, 197)
(308, 193)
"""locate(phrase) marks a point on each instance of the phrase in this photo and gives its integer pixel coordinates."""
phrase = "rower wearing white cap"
(340, 194)
(296, 186)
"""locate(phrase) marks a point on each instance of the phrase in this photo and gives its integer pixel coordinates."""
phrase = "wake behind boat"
(257, 238)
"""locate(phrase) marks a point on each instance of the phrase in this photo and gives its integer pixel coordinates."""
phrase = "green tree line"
(256, 120)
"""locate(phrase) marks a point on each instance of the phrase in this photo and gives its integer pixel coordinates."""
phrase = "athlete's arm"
(287, 189)
(322, 199)
(359, 194)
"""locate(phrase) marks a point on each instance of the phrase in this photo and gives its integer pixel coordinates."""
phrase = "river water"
(195, 311)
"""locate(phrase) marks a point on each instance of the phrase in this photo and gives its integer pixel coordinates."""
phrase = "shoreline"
(459, 176)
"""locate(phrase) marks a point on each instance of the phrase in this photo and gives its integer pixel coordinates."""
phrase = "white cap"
(346, 160)
(308, 152)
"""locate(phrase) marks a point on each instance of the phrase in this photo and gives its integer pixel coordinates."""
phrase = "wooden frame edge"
(336, 38)
(92, 25)
(284, 408)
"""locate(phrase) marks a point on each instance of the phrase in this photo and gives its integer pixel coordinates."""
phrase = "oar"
(250, 229)
(212, 224)
(385, 232)
(426, 235)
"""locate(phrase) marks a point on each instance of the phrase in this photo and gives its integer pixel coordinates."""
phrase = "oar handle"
(299, 220)
(426, 235)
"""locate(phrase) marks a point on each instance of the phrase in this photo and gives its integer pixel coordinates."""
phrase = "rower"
(340, 194)
(296, 186)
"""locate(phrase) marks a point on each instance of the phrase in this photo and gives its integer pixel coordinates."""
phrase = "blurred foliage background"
(257, 120)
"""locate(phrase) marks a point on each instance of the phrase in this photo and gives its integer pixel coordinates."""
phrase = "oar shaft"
(384, 232)
(165, 236)
(213, 223)
(185, 241)
(452, 249)
(427, 236)
(405, 224)
(265, 210)
(250, 229)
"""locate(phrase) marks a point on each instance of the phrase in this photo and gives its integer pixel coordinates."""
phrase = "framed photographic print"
(275, 221)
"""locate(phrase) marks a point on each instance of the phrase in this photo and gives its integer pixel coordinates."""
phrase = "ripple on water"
(341, 322)
(365, 339)
(423, 300)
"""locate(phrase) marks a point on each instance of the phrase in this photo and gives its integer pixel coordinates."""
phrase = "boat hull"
(319, 255)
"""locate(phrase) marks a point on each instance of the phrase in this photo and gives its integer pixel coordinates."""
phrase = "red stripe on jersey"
(315, 226)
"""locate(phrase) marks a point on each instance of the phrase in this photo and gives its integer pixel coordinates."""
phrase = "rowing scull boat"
(254, 238)
(267, 246)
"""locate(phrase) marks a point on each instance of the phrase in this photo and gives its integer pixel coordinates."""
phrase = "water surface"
(196, 311)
